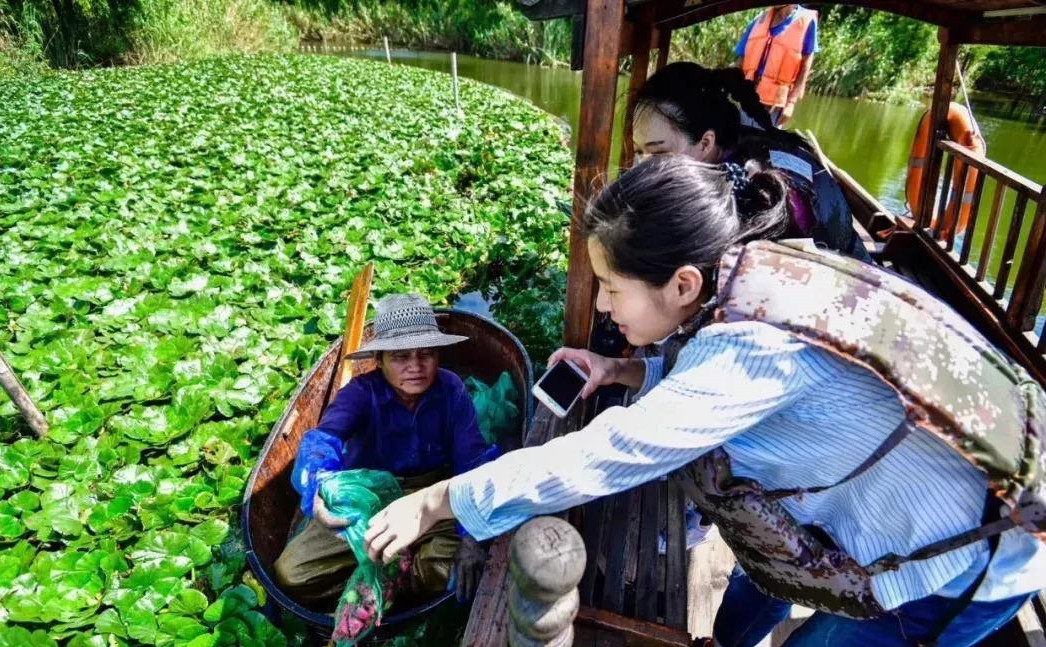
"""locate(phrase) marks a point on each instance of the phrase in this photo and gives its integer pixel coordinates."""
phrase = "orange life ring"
(960, 198)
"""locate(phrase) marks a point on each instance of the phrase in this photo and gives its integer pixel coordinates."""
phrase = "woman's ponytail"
(762, 205)
(732, 82)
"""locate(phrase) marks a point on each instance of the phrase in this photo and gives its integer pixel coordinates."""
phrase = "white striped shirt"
(789, 414)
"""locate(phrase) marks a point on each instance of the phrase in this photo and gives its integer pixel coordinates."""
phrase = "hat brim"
(407, 342)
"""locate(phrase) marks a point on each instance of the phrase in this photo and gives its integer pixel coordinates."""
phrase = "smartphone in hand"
(560, 387)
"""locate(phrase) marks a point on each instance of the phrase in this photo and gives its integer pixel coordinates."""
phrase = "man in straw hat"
(410, 418)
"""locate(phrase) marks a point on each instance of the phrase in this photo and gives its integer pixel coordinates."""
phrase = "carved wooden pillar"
(546, 563)
(942, 96)
(603, 23)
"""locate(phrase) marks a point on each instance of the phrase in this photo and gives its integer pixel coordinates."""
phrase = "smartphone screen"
(562, 384)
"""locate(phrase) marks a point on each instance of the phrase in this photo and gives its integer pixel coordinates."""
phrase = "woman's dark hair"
(670, 211)
(697, 99)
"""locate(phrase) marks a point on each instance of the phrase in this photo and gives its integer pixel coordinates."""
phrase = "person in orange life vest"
(776, 51)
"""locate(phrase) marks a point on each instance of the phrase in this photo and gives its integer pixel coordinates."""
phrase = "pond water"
(869, 140)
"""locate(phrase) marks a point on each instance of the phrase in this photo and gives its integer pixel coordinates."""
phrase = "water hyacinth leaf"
(224, 608)
(95, 640)
(21, 637)
(109, 622)
(11, 526)
(206, 640)
(24, 501)
(264, 631)
(178, 629)
(170, 553)
(243, 593)
(211, 532)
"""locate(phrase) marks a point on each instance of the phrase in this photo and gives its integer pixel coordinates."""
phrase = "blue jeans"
(747, 616)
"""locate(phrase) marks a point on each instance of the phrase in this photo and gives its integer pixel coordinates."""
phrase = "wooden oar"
(816, 145)
(355, 317)
(21, 398)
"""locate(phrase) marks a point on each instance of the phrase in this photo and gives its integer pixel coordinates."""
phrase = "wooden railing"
(1011, 278)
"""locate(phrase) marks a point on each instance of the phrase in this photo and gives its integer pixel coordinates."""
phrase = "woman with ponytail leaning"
(686, 108)
(762, 408)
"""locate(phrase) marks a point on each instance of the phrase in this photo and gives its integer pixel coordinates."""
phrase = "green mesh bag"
(357, 495)
(496, 410)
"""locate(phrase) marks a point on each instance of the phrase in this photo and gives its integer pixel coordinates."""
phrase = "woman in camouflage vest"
(863, 451)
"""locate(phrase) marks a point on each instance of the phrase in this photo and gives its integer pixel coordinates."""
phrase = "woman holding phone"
(751, 415)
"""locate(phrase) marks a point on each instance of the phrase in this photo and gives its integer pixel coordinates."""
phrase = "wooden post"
(640, 64)
(21, 398)
(388, 54)
(1031, 277)
(603, 21)
(546, 562)
(664, 43)
(454, 77)
(942, 96)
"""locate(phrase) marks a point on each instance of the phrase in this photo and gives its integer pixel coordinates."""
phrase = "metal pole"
(388, 54)
(454, 75)
(21, 398)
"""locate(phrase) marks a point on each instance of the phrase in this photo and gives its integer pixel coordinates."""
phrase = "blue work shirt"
(809, 41)
(366, 427)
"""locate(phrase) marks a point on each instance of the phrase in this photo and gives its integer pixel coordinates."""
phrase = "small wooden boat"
(270, 504)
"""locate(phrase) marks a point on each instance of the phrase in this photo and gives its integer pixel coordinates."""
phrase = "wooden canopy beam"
(1014, 32)
(676, 14)
(603, 23)
(942, 96)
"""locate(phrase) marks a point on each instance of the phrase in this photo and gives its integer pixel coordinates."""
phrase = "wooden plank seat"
(629, 591)
(625, 575)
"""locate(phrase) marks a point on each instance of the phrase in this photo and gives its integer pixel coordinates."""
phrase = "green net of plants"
(357, 495)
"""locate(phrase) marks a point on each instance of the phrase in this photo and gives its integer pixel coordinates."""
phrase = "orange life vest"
(960, 198)
(783, 55)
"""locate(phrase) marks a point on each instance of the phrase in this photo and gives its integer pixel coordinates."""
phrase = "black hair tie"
(737, 176)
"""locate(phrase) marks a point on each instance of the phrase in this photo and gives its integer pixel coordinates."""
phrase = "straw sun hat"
(404, 322)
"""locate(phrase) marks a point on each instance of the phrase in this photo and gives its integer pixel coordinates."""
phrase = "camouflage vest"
(950, 380)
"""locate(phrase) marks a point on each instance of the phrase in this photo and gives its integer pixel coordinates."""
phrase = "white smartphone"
(560, 387)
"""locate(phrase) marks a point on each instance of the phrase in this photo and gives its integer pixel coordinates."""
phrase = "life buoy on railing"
(960, 198)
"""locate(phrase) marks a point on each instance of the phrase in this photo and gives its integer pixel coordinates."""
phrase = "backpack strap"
(891, 441)
(991, 510)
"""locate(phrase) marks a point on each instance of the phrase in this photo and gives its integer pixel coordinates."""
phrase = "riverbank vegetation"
(81, 33)
(178, 240)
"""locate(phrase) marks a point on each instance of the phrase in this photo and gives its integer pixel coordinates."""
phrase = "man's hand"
(406, 519)
(323, 515)
(467, 569)
(786, 114)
